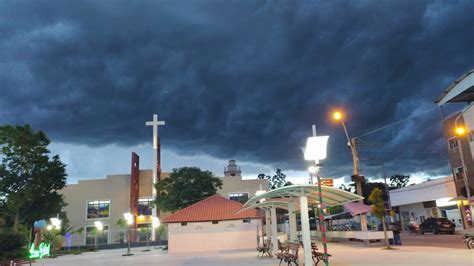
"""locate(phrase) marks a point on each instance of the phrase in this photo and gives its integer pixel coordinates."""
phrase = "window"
(144, 206)
(459, 173)
(102, 236)
(246, 221)
(241, 197)
(184, 224)
(98, 209)
(215, 222)
(453, 143)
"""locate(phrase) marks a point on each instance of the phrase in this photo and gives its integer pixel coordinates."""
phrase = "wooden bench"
(265, 249)
(318, 256)
(290, 255)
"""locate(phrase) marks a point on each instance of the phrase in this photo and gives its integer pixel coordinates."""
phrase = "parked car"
(437, 225)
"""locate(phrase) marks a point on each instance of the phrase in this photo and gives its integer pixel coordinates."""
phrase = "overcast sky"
(240, 80)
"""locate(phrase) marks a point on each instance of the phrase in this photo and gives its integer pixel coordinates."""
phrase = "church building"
(106, 200)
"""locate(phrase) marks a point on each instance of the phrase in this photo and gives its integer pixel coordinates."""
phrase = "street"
(430, 240)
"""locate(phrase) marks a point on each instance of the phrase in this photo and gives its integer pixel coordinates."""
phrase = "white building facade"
(428, 199)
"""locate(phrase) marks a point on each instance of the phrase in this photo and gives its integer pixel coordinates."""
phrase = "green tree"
(276, 181)
(29, 178)
(346, 188)
(186, 186)
(368, 187)
(399, 181)
(122, 224)
(378, 209)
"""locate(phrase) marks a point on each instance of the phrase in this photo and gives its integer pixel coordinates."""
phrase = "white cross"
(155, 123)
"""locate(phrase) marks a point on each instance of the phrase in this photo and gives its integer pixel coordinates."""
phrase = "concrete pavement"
(342, 254)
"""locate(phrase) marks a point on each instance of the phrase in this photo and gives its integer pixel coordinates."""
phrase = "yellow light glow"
(337, 115)
(460, 131)
(141, 217)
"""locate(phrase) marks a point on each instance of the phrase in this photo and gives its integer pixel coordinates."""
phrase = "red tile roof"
(213, 208)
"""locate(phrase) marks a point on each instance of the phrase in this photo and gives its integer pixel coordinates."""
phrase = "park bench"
(265, 249)
(318, 256)
(289, 255)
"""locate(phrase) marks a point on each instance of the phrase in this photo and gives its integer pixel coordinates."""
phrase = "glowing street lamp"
(155, 222)
(56, 223)
(355, 159)
(129, 219)
(460, 131)
(99, 227)
(316, 150)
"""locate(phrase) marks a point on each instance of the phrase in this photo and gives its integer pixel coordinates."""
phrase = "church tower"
(232, 170)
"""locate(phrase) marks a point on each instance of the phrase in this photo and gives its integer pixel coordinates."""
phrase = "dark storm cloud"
(242, 79)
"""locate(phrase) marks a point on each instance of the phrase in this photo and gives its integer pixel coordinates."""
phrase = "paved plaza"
(343, 254)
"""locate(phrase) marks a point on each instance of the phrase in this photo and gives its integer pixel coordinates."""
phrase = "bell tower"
(232, 170)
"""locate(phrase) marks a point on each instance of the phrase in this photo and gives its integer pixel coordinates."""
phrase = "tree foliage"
(12, 245)
(29, 178)
(399, 181)
(345, 188)
(368, 187)
(378, 209)
(186, 186)
(277, 180)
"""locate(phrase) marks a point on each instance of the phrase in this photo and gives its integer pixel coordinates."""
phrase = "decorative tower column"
(156, 164)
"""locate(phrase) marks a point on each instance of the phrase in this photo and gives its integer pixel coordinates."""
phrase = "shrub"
(12, 246)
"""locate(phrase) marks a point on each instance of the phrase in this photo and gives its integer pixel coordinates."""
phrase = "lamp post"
(461, 132)
(351, 142)
(98, 227)
(155, 223)
(129, 219)
(315, 151)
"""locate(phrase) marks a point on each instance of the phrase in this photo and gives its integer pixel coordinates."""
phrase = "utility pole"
(358, 179)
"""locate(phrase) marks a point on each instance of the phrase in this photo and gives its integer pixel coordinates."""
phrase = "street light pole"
(462, 131)
(352, 143)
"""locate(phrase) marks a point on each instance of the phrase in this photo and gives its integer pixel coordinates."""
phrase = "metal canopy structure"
(332, 196)
(294, 198)
(461, 90)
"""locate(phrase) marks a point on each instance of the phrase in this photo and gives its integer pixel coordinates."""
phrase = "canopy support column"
(268, 231)
(274, 231)
(292, 220)
(308, 257)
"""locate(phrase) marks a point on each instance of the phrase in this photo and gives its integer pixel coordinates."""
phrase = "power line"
(398, 122)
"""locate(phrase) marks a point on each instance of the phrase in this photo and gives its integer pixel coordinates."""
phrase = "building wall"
(233, 185)
(466, 145)
(427, 191)
(205, 236)
(116, 188)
